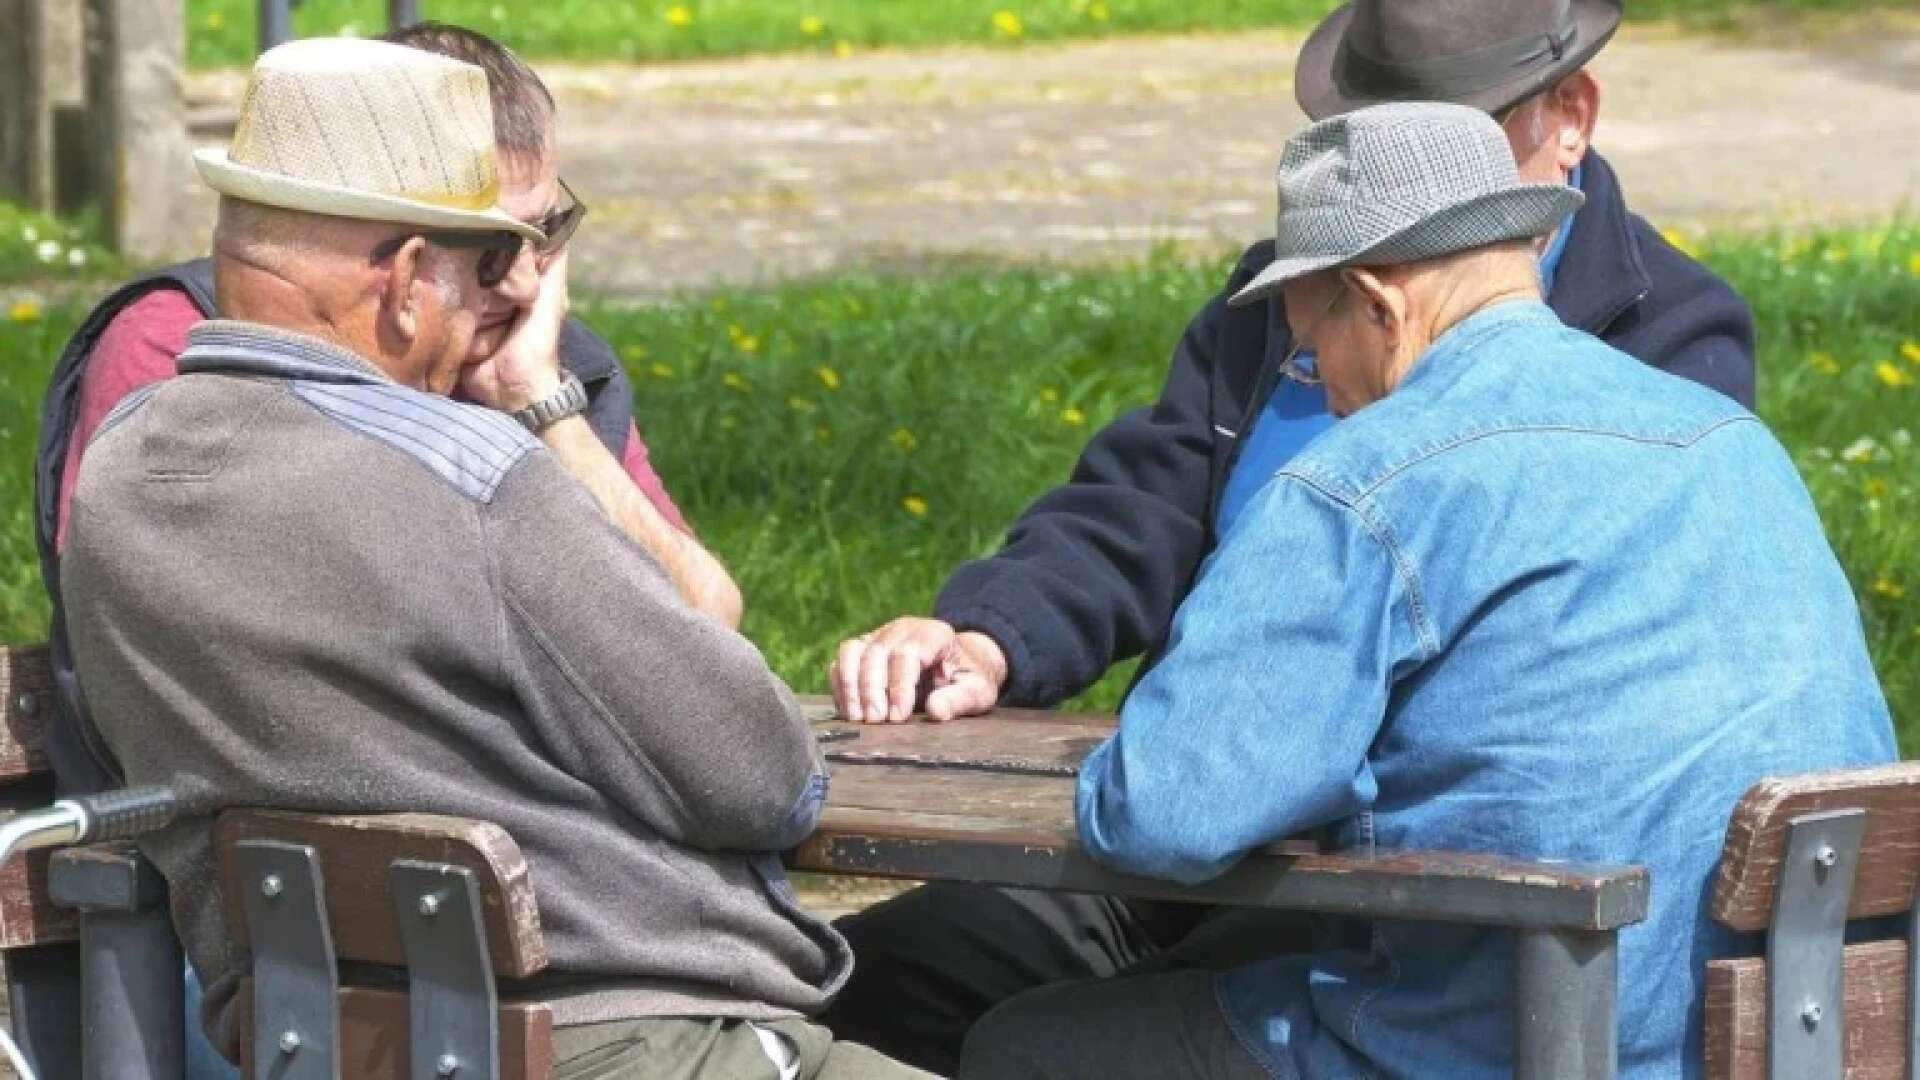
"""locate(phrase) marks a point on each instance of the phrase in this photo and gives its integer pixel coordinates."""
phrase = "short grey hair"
(522, 105)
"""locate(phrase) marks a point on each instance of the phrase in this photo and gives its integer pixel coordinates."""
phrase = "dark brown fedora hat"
(1489, 54)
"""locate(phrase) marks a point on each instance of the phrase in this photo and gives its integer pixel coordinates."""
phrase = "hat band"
(1446, 78)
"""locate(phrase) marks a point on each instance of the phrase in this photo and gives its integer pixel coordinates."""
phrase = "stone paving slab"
(765, 168)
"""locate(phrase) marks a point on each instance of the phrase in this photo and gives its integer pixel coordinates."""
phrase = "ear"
(404, 293)
(1385, 300)
(1576, 108)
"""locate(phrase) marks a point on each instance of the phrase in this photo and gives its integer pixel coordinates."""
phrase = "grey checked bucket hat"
(1399, 183)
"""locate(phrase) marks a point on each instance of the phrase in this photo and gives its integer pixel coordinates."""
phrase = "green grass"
(36, 247)
(842, 444)
(222, 32)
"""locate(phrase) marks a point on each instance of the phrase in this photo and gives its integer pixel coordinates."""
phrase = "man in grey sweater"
(300, 576)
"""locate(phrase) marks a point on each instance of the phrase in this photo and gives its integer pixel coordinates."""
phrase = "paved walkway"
(772, 167)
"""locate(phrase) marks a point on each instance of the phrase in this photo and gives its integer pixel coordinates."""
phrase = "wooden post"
(26, 116)
(141, 160)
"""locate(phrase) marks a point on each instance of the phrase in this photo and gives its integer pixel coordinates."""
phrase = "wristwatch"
(569, 400)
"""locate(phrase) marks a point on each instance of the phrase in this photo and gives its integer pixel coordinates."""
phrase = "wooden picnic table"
(989, 799)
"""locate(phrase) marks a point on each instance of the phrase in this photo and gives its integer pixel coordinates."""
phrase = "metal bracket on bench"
(296, 984)
(1806, 1028)
(453, 1007)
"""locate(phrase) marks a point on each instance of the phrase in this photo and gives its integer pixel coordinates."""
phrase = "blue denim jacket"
(1542, 601)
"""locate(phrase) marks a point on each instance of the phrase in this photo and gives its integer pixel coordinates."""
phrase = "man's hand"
(526, 366)
(878, 678)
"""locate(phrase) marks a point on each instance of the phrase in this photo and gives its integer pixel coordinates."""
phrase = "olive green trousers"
(711, 1048)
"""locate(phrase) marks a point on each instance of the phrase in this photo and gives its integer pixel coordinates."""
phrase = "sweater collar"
(256, 349)
(1604, 272)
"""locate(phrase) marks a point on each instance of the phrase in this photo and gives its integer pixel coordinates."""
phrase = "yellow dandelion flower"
(1007, 25)
(1893, 377)
(635, 353)
(679, 16)
(733, 380)
(829, 378)
(1836, 253)
(1874, 488)
(1098, 12)
(659, 370)
(801, 405)
(1824, 363)
(915, 505)
(1889, 588)
(216, 19)
(745, 342)
(904, 440)
(1049, 396)
(1910, 350)
(24, 311)
(1913, 264)
(1681, 242)
(813, 26)
(843, 49)
(1072, 417)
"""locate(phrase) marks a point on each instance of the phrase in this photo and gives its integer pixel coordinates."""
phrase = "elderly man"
(1091, 574)
(1461, 619)
(299, 575)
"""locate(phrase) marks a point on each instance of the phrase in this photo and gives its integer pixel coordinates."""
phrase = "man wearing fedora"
(1091, 574)
(300, 575)
(1459, 620)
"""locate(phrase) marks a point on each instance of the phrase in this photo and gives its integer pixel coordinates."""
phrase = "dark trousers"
(930, 963)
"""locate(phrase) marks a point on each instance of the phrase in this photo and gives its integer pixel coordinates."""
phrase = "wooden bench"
(1805, 857)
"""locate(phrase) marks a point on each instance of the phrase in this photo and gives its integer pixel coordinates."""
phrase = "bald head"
(377, 289)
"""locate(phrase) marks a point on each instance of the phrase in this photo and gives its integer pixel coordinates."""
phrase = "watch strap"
(569, 400)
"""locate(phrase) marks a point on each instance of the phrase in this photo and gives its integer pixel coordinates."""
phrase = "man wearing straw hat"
(1528, 597)
(299, 575)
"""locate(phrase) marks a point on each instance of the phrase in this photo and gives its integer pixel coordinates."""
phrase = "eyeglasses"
(498, 250)
(558, 227)
(1291, 368)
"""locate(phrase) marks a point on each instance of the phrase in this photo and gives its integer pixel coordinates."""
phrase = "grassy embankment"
(843, 443)
(222, 32)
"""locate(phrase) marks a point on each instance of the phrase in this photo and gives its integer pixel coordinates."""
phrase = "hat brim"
(229, 177)
(1516, 213)
(1316, 83)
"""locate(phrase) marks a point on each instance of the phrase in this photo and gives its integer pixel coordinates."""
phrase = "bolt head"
(429, 905)
(26, 704)
(447, 1065)
(1810, 1014)
(289, 1041)
(271, 887)
(1826, 857)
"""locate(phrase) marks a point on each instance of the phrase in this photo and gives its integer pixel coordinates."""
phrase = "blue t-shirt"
(1296, 412)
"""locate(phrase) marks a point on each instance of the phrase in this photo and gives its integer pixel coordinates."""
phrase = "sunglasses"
(559, 226)
(498, 250)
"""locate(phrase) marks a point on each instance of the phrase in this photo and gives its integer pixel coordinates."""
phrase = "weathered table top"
(989, 799)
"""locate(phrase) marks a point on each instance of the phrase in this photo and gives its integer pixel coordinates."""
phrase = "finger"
(845, 678)
(873, 682)
(903, 684)
(969, 694)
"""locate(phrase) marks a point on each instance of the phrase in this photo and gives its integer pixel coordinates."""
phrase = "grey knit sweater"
(294, 583)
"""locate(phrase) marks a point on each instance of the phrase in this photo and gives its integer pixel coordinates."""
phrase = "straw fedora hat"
(369, 130)
(1399, 183)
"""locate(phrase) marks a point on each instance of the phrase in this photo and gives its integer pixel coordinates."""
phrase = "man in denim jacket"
(1528, 597)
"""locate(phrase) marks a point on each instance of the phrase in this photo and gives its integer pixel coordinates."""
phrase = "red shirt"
(140, 346)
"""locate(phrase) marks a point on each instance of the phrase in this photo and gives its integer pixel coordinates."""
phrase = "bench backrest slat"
(26, 705)
(355, 854)
(1889, 859)
(1875, 994)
